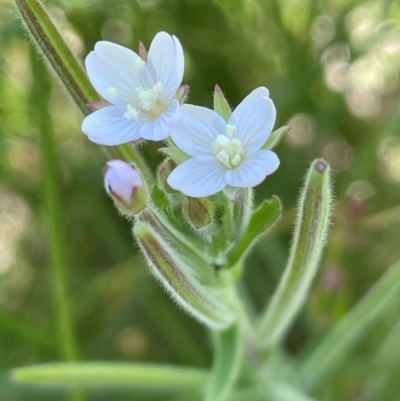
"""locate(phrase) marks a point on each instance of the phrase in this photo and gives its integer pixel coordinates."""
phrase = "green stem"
(227, 361)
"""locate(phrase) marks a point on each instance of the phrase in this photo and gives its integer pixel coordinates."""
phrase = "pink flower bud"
(124, 184)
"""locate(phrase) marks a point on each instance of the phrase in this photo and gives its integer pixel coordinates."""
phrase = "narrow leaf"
(221, 105)
(328, 357)
(309, 239)
(107, 374)
(227, 359)
(260, 222)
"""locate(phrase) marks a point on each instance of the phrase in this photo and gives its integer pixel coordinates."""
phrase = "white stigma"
(131, 113)
(229, 152)
(148, 96)
(112, 92)
(139, 63)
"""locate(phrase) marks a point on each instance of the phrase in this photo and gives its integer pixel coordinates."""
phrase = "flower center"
(148, 96)
(147, 102)
(229, 151)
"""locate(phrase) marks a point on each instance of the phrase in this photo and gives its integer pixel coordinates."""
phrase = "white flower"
(224, 153)
(141, 92)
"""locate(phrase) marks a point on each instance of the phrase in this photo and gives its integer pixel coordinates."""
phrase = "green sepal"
(227, 362)
(260, 222)
(221, 105)
(275, 137)
(177, 155)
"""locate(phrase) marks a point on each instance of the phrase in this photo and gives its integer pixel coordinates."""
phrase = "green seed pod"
(198, 212)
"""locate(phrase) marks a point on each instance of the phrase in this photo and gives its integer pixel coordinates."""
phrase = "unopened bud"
(124, 184)
(198, 212)
(164, 170)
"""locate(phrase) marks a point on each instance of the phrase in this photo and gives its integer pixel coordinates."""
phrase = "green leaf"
(105, 374)
(260, 222)
(309, 239)
(330, 354)
(276, 136)
(175, 154)
(221, 105)
(227, 360)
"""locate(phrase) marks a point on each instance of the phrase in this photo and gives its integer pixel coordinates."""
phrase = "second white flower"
(224, 154)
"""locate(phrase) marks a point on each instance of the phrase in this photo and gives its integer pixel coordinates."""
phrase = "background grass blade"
(332, 351)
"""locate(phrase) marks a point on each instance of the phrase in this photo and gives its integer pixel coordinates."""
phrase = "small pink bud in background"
(124, 184)
(333, 279)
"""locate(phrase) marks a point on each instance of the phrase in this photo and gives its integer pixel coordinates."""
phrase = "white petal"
(108, 126)
(254, 119)
(113, 66)
(253, 170)
(198, 177)
(197, 130)
(161, 128)
(166, 61)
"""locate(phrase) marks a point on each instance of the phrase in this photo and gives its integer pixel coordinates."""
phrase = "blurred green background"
(332, 68)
